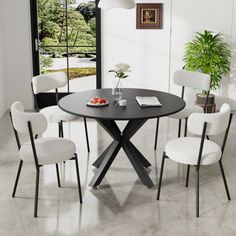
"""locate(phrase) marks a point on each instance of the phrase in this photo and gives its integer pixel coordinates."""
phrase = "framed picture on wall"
(149, 15)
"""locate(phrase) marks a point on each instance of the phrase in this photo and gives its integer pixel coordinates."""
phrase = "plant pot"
(201, 101)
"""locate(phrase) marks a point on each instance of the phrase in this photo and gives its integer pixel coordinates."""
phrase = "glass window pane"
(52, 22)
(82, 42)
(82, 69)
(67, 41)
(50, 63)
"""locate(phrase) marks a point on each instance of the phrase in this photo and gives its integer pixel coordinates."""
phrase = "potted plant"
(208, 53)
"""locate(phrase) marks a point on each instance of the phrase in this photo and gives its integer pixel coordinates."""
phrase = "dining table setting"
(136, 107)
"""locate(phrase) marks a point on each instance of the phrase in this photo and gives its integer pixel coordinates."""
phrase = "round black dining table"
(107, 116)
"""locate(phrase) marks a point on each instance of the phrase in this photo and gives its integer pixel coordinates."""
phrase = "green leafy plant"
(208, 53)
(54, 22)
(45, 62)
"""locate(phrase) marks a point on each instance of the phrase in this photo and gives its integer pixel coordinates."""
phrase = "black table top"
(76, 104)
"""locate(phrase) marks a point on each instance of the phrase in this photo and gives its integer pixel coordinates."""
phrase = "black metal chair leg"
(224, 179)
(59, 129)
(156, 135)
(86, 133)
(187, 177)
(36, 194)
(186, 127)
(197, 193)
(17, 178)
(58, 176)
(78, 178)
(179, 130)
(62, 132)
(160, 178)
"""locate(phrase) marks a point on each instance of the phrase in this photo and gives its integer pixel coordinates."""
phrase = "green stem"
(117, 84)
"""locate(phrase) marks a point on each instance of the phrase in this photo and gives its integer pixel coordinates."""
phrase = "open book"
(148, 101)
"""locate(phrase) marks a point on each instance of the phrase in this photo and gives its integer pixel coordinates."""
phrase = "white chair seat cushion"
(55, 114)
(185, 150)
(49, 150)
(187, 111)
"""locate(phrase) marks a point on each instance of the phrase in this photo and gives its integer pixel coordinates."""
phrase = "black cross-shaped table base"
(121, 140)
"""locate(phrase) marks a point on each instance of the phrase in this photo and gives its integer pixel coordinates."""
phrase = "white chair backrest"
(216, 122)
(20, 120)
(196, 80)
(43, 83)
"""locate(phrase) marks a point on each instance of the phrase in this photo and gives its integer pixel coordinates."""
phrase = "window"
(66, 37)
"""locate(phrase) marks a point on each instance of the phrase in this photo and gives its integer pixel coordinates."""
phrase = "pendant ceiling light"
(107, 4)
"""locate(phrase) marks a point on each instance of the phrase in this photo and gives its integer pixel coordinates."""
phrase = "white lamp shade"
(107, 4)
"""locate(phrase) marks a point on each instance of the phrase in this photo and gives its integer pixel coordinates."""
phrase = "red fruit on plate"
(98, 100)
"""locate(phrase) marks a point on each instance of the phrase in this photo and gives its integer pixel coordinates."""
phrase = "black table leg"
(106, 163)
(136, 163)
(121, 139)
(98, 162)
(139, 155)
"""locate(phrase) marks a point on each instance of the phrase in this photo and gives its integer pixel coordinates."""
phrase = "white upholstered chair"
(54, 114)
(195, 80)
(198, 151)
(40, 151)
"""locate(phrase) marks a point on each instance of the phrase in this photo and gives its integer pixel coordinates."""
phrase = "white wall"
(17, 38)
(147, 51)
(2, 74)
(231, 90)
(155, 54)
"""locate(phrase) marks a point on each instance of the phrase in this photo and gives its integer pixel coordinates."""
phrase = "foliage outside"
(45, 62)
(52, 26)
(56, 25)
(77, 72)
(208, 53)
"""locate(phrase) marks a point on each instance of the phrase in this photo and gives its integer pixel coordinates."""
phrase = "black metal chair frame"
(199, 164)
(60, 124)
(180, 121)
(37, 166)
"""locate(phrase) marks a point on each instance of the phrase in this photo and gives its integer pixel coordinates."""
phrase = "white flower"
(122, 67)
(120, 70)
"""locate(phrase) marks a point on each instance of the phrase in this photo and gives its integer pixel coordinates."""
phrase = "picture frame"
(149, 15)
